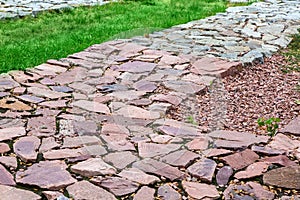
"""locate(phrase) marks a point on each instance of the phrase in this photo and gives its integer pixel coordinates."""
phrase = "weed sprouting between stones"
(271, 125)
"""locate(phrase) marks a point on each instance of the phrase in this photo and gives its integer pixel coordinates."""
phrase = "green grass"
(292, 54)
(31, 41)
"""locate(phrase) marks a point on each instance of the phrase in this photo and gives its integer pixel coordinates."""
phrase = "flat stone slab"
(117, 186)
(137, 67)
(147, 150)
(46, 93)
(87, 190)
(120, 159)
(137, 112)
(180, 131)
(286, 177)
(292, 127)
(203, 169)
(249, 190)
(10, 162)
(4, 148)
(14, 104)
(8, 192)
(200, 190)
(42, 126)
(215, 67)
(11, 133)
(241, 159)
(84, 140)
(93, 167)
(92, 106)
(138, 176)
(167, 192)
(283, 142)
(180, 158)
(145, 193)
(236, 140)
(54, 173)
(26, 148)
(105, 112)
(223, 175)
(6, 178)
(253, 170)
(155, 167)
(184, 87)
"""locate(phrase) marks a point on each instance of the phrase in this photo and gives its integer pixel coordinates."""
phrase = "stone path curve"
(96, 125)
(21, 8)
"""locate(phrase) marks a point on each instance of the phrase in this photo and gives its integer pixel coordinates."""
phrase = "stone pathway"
(243, 34)
(97, 125)
(21, 8)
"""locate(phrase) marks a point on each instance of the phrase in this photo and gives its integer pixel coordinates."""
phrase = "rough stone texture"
(138, 176)
(203, 169)
(86, 190)
(92, 106)
(93, 167)
(53, 195)
(241, 159)
(145, 193)
(118, 96)
(214, 67)
(235, 140)
(4, 148)
(180, 130)
(14, 104)
(283, 142)
(266, 150)
(71, 142)
(11, 133)
(65, 153)
(249, 190)
(117, 186)
(216, 152)
(280, 160)
(167, 192)
(54, 173)
(26, 148)
(155, 167)
(286, 177)
(120, 159)
(200, 190)
(180, 158)
(137, 67)
(5, 177)
(200, 143)
(136, 112)
(253, 170)
(8, 192)
(292, 127)
(223, 175)
(147, 150)
(9, 161)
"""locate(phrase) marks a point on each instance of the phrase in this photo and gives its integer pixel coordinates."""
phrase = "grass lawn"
(292, 53)
(31, 41)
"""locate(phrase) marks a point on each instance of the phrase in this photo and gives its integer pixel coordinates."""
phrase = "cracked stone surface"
(99, 125)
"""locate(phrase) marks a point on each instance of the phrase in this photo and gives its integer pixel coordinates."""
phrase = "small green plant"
(297, 102)
(271, 125)
(297, 87)
(191, 120)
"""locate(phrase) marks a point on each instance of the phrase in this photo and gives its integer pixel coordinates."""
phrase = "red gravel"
(236, 102)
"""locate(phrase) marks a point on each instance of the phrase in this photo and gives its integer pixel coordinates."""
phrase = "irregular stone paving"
(21, 8)
(97, 125)
(243, 34)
